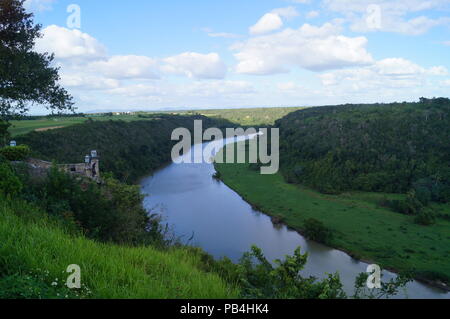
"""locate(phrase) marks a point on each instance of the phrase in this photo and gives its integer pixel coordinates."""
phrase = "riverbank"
(360, 227)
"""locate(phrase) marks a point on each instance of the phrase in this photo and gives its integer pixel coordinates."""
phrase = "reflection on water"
(193, 203)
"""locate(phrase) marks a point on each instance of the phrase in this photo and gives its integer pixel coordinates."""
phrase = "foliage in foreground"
(36, 250)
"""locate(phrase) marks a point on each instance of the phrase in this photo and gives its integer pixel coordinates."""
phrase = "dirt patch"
(48, 128)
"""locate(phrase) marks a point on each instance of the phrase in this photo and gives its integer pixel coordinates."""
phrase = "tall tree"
(26, 77)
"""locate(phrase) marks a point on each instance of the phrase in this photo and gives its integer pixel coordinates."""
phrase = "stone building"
(90, 168)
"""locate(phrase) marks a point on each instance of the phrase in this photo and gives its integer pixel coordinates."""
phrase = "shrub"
(317, 231)
(258, 278)
(111, 212)
(10, 184)
(16, 153)
(426, 217)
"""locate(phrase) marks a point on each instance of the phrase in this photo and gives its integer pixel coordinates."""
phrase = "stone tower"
(94, 165)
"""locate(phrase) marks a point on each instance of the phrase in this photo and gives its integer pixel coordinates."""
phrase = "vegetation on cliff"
(127, 149)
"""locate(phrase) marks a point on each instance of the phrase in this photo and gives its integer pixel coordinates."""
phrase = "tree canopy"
(26, 77)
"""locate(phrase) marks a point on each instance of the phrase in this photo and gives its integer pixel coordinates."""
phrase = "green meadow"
(359, 225)
(21, 127)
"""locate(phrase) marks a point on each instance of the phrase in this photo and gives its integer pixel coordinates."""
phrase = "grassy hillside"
(358, 224)
(259, 117)
(35, 252)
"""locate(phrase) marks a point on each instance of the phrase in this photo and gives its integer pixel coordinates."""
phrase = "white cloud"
(287, 12)
(269, 22)
(312, 14)
(88, 81)
(127, 67)
(390, 16)
(288, 86)
(309, 47)
(438, 71)
(393, 74)
(196, 65)
(69, 44)
(273, 20)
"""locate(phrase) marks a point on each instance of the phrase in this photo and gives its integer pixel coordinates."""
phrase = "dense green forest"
(127, 149)
(392, 148)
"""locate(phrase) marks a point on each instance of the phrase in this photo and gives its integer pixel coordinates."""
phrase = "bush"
(317, 231)
(10, 184)
(15, 153)
(258, 278)
(426, 217)
(111, 212)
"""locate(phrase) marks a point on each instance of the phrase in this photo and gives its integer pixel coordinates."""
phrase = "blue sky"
(152, 55)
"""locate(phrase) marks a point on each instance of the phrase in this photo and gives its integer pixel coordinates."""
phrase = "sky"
(199, 54)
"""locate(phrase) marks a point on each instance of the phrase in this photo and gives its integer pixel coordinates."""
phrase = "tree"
(26, 76)
(4, 134)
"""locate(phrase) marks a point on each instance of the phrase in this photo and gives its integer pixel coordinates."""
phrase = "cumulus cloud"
(127, 67)
(268, 22)
(195, 65)
(88, 81)
(273, 20)
(69, 44)
(309, 47)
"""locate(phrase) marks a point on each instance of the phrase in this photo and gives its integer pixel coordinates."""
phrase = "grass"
(26, 126)
(360, 226)
(31, 242)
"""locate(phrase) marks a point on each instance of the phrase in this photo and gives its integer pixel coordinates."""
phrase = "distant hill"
(378, 147)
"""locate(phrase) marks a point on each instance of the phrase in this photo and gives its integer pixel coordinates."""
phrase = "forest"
(139, 148)
(392, 148)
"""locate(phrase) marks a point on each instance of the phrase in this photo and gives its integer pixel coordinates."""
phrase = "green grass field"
(30, 242)
(26, 126)
(360, 227)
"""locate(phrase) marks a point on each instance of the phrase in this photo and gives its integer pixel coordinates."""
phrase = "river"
(218, 220)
